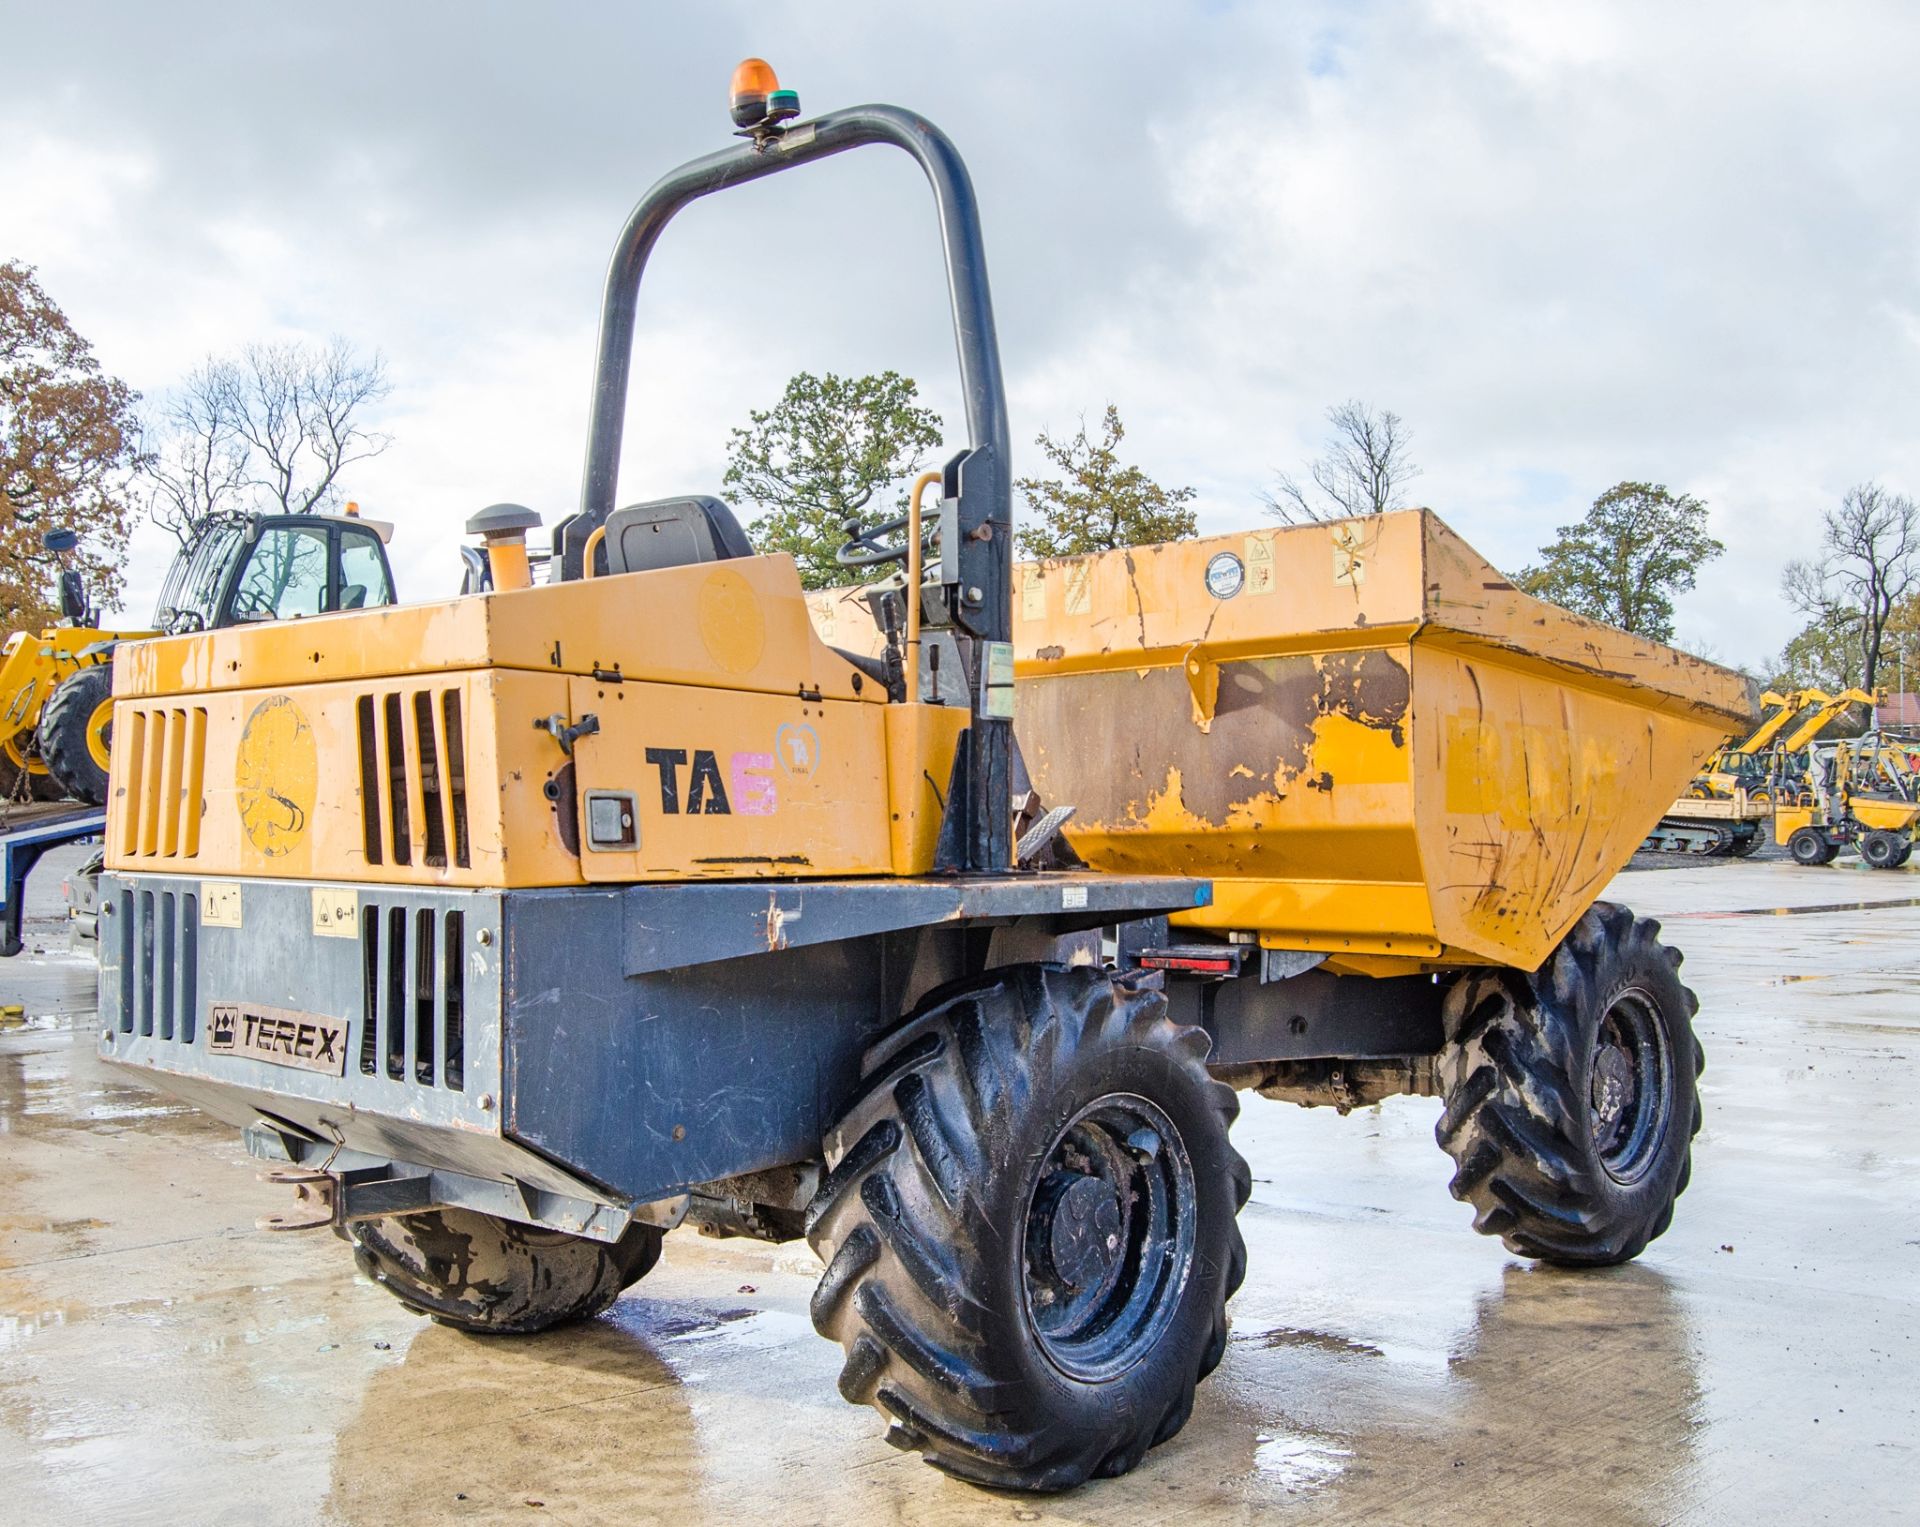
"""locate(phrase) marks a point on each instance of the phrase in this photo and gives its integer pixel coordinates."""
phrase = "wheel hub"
(1110, 1231)
(1083, 1244)
(1630, 1081)
(1612, 1088)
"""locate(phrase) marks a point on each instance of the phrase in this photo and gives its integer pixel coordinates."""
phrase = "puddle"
(1322, 1341)
(749, 1331)
(1297, 1463)
(1830, 906)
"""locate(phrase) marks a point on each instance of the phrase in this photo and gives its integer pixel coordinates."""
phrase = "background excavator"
(1740, 794)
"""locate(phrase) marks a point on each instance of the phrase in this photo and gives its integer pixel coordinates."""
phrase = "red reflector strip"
(1213, 967)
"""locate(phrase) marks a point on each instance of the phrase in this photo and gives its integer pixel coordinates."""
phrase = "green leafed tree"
(1097, 503)
(1824, 654)
(67, 449)
(1638, 546)
(833, 449)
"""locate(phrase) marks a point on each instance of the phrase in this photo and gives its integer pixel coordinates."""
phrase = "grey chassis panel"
(577, 1076)
(669, 927)
(723, 1031)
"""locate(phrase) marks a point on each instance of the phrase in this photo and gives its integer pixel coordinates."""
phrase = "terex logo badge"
(305, 1040)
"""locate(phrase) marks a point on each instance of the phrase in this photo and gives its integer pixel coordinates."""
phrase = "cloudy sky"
(1569, 243)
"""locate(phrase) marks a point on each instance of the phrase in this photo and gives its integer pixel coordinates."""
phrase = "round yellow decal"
(731, 623)
(275, 776)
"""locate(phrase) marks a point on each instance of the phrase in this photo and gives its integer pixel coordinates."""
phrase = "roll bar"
(977, 489)
(982, 387)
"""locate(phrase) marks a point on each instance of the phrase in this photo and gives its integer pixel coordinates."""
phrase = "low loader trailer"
(516, 930)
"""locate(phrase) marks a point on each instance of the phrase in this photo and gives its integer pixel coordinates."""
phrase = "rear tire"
(75, 731)
(1029, 1228)
(1810, 847)
(495, 1277)
(1571, 1094)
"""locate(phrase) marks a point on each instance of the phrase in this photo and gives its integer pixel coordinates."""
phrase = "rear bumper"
(414, 977)
(570, 1054)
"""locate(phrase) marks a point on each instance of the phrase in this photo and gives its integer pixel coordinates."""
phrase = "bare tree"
(196, 464)
(1871, 564)
(272, 428)
(1365, 471)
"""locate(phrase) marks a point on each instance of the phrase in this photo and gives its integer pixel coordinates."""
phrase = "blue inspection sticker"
(1226, 575)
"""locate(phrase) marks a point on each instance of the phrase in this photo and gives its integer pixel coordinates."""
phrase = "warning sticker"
(1079, 587)
(336, 912)
(219, 904)
(1259, 559)
(1033, 595)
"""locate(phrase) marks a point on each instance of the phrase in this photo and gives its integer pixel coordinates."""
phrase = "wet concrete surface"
(163, 1361)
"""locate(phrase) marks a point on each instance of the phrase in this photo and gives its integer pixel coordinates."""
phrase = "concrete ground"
(163, 1361)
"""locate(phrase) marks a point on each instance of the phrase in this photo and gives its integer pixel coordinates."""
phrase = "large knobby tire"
(75, 731)
(1883, 850)
(1571, 1095)
(495, 1277)
(1810, 847)
(1029, 1228)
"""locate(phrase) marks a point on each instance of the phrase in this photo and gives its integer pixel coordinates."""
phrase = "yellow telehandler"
(56, 686)
(517, 929)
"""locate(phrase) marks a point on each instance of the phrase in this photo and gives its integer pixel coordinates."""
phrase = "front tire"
(1883, 850)
(1571, 1094)
(495, 1277)
(1029, 1228)
(75, 731)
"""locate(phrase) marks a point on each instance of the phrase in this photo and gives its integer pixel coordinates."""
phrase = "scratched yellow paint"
(417, 745)
(1535, 751)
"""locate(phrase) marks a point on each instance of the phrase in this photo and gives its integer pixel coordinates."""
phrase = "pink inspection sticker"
(751, 777)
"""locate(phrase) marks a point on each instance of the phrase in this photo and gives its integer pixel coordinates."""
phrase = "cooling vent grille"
(413, 778)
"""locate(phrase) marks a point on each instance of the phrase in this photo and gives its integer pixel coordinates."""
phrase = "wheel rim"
(1631, 1077)
(27, 763)
(100, 733)
(1110, 1228)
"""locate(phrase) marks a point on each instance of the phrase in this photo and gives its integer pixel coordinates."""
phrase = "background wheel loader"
(32, 667)
(517, 929)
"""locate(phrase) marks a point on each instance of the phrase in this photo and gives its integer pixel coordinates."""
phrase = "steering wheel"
(250, 604)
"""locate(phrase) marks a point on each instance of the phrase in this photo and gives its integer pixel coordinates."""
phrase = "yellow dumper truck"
(515, 930)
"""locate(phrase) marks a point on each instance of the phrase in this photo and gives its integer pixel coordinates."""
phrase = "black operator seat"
(673, 532)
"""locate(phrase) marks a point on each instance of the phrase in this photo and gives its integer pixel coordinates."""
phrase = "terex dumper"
(519, 929)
